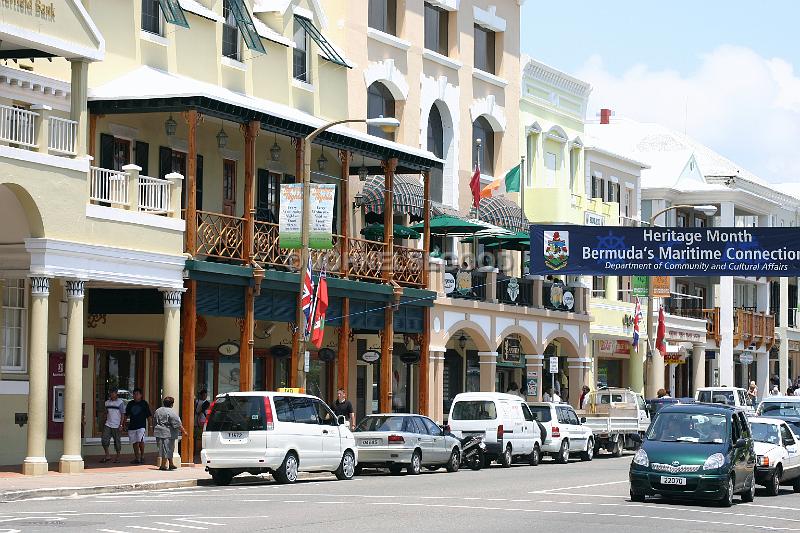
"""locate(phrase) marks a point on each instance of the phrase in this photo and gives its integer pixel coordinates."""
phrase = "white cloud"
(743, 105)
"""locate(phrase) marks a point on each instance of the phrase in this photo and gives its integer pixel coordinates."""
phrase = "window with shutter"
(484, 49)
(228, 186)
(142, 155)
(436, 29)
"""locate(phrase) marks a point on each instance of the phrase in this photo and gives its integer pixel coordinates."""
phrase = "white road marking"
(579, 487)
(154, 529)
(180, 525)
(771, 507)
(199, 522)
(112, 531)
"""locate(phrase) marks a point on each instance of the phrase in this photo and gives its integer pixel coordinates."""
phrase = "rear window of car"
(541, 413)
(725, 397)
(237, 413)
(779, 409)
(384, 423)
(474, 410)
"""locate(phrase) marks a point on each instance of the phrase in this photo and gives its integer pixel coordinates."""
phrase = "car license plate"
(370, 442)
(666, 480)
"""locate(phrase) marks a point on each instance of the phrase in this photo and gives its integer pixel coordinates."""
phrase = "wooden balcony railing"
(749, 327)
(407, 265)
(711, 316)
(366, 259)
(220, 236)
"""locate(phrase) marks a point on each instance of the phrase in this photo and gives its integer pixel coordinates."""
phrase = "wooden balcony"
(221, 238)
(749, 327)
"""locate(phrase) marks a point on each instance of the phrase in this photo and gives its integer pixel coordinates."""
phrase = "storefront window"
(609, 372)
(452, 382)
(281, 377)
(473, 372)
(317, 378)
(116, 370)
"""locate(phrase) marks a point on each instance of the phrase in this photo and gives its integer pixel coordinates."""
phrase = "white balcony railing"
(62, 135)
(18, 126)
(108, 186)
(154, 195)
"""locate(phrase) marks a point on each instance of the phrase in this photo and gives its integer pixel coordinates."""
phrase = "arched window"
(436, 147)
(380, 102)
(481, 129)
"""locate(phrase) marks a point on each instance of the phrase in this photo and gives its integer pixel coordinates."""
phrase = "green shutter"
(246, 25)
(327, 48)
(173, 12)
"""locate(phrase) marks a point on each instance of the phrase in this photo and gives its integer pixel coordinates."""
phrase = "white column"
(78, 103)
(762, 373)
(172, 362)
(698, 367)
(579, 371)
(534, 364)
(671, 385)
(436, 391)
(72, 461)
(488, 362)
(35, 462)
(726, 310)
(783, 350)
(635, 368)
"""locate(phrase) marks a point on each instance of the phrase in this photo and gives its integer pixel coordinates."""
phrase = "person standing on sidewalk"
(166, 424)
(115, 409)
(136, 413)
(343, 407)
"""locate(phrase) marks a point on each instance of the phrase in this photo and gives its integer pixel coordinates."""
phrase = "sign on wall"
(290, 221)
(660, 288)
(639, 286)
(512, 351)
(639, 251)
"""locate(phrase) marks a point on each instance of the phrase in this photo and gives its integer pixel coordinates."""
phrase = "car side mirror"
(583, 420)
(635, 437)
(741, 443)
(341, 420)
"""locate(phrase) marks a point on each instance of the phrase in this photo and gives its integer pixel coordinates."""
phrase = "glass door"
(120, 370)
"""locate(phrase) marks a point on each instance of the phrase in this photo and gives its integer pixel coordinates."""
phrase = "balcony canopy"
(149, 90)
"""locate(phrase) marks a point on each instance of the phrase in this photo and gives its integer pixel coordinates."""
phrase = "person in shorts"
(115, 414)
(136, 414)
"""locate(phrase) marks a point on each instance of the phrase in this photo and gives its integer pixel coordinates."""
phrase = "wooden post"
(344, 214)
(343, 357)
(189, 321)
(298, 317)
(426, 227)
(191, 184)
(246, 342)
(250, 134)
(387, 339)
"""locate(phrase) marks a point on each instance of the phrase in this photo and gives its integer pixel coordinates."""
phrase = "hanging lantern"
(322, 161)
(222, 138)
(170, 126)
(363, 171)
(275, 151)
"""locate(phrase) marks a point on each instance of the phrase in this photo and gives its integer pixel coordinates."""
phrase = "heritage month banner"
(644, 251)
(290, 220)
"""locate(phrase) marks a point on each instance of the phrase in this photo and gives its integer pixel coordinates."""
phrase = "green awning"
(449, 225)
(374, 232)
(245, 23)
(327, 48)
(173, 13)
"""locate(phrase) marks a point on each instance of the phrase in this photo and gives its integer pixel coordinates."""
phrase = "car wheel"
(455, 461)
(774, 485)
(396, 470)
(347, 468)
(221, 476)
(287, 472)
(750, 494)
(637, 497)
(506, 458)
(727, 498)
(415, 467)
(536, 455)
(588, 455)
(563, 452)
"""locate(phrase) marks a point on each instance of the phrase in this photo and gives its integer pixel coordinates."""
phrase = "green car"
(696, 451)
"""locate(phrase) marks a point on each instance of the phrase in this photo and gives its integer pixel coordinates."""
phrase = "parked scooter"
(472, 452)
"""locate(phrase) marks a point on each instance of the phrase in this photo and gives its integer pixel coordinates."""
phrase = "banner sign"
(290, 220)
(645, 251)
(661, 285)
(639, 286)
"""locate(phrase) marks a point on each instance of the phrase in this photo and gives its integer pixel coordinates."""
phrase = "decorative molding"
(490, 78)
(75, 289)
(35, 88)
(92, 321)
(487, 107)
(40, 285)
(387, 73)
(388, 38)
(534, 70)
(79, 164)
(441, 59)
(172, 298)
(440, 92)
(488, 18)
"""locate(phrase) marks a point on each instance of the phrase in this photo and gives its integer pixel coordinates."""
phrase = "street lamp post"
(387, 124)
(656, 371)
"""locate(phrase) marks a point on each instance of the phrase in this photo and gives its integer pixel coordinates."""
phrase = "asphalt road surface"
(551, 497)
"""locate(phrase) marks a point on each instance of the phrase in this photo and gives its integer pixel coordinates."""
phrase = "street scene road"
(578, 496)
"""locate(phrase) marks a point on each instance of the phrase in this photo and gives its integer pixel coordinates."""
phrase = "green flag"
(512, 179)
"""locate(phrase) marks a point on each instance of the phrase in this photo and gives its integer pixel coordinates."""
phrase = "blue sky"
(722, 70)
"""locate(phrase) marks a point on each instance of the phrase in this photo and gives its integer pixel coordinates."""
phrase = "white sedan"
(777, 454)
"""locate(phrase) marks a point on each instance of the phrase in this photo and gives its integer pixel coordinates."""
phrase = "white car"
(777, 454)
(733, 396)
(277, 433)
(779, 406)
(564, 431)
(503, 421)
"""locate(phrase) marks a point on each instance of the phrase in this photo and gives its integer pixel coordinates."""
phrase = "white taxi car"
(777, 454)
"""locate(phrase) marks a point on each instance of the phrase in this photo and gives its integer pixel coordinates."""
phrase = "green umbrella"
(518, 241)
(449, 225)
(374, 232)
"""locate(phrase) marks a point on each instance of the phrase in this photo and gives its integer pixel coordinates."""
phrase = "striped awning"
(501, 211)
(408, 194)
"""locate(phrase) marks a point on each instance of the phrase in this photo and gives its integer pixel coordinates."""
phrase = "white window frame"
(23, 367)
(162, 25)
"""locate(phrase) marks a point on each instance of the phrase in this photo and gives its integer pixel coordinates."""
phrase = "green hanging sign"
(639, 285)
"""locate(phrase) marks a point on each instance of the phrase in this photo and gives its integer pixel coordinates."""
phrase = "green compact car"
(696, 451)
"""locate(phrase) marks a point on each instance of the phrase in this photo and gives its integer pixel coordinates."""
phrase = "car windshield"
(724, 397)
(381, 423)
(765, 433)
(779, 409)
(474, 410)
(688, 427)
(541, 412)
(795, 426)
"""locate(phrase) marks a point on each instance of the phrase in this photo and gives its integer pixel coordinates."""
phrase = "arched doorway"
(436, 147)
(481, 129)
(462, 368)
(380, 102)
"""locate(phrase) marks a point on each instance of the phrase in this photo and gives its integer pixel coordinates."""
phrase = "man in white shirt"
(115, 410)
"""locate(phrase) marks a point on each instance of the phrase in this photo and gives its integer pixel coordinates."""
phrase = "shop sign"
(512, 351)
(464, 282)
(513, 289)
(290, 221)
(568, 300)
(410, 358)
(592, 219)
(661, 287)
(37, 8)
(657, 251)
(370, 357)
(623, 348)
(605, 346)
(673, 359)
(56, 388)
(228, 348)
(449, 283)
(554, 364)
(746, 358)
(533, 383)
(639, 286)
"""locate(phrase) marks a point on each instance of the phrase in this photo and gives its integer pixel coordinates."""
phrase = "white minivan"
(277, 433)
(503, 421)
(733, 396)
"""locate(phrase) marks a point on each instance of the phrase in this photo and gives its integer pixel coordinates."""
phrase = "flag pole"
(522, 192)
(477, 206)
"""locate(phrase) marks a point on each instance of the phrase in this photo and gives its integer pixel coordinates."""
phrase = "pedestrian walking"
(201, 405)
(584, 396)
(115, 408)
(752, 393)
(662, 393)
(166, 424)
(136, 414)
(343, 407)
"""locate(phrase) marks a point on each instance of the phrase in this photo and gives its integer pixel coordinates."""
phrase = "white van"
(277, 433)
(733, 396)
(503, 421)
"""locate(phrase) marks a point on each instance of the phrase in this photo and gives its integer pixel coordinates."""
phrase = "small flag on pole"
(661, 346)
(308, 297)
(320, 307)
(475, 186)
(509, 183)
(637, 318)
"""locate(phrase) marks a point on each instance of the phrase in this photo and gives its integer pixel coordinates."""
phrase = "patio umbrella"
(374, 232)
(450, 225)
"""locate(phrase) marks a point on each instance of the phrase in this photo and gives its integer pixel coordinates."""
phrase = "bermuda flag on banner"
(320, 307)
(637, 317)
(661, 346)
(308, 292)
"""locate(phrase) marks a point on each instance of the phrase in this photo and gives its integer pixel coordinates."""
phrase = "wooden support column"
(298, 317)
(191, 184)
(424, 349)
(343, 357)
(387, 339)
(189, 321)
(247, 341)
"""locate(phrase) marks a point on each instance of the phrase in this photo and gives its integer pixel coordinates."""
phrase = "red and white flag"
(308, 298)
(320, 307)
(661, 346)
(475, 186)
(637, 318)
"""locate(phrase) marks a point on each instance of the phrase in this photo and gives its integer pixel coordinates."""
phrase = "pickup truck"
(614, 416)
